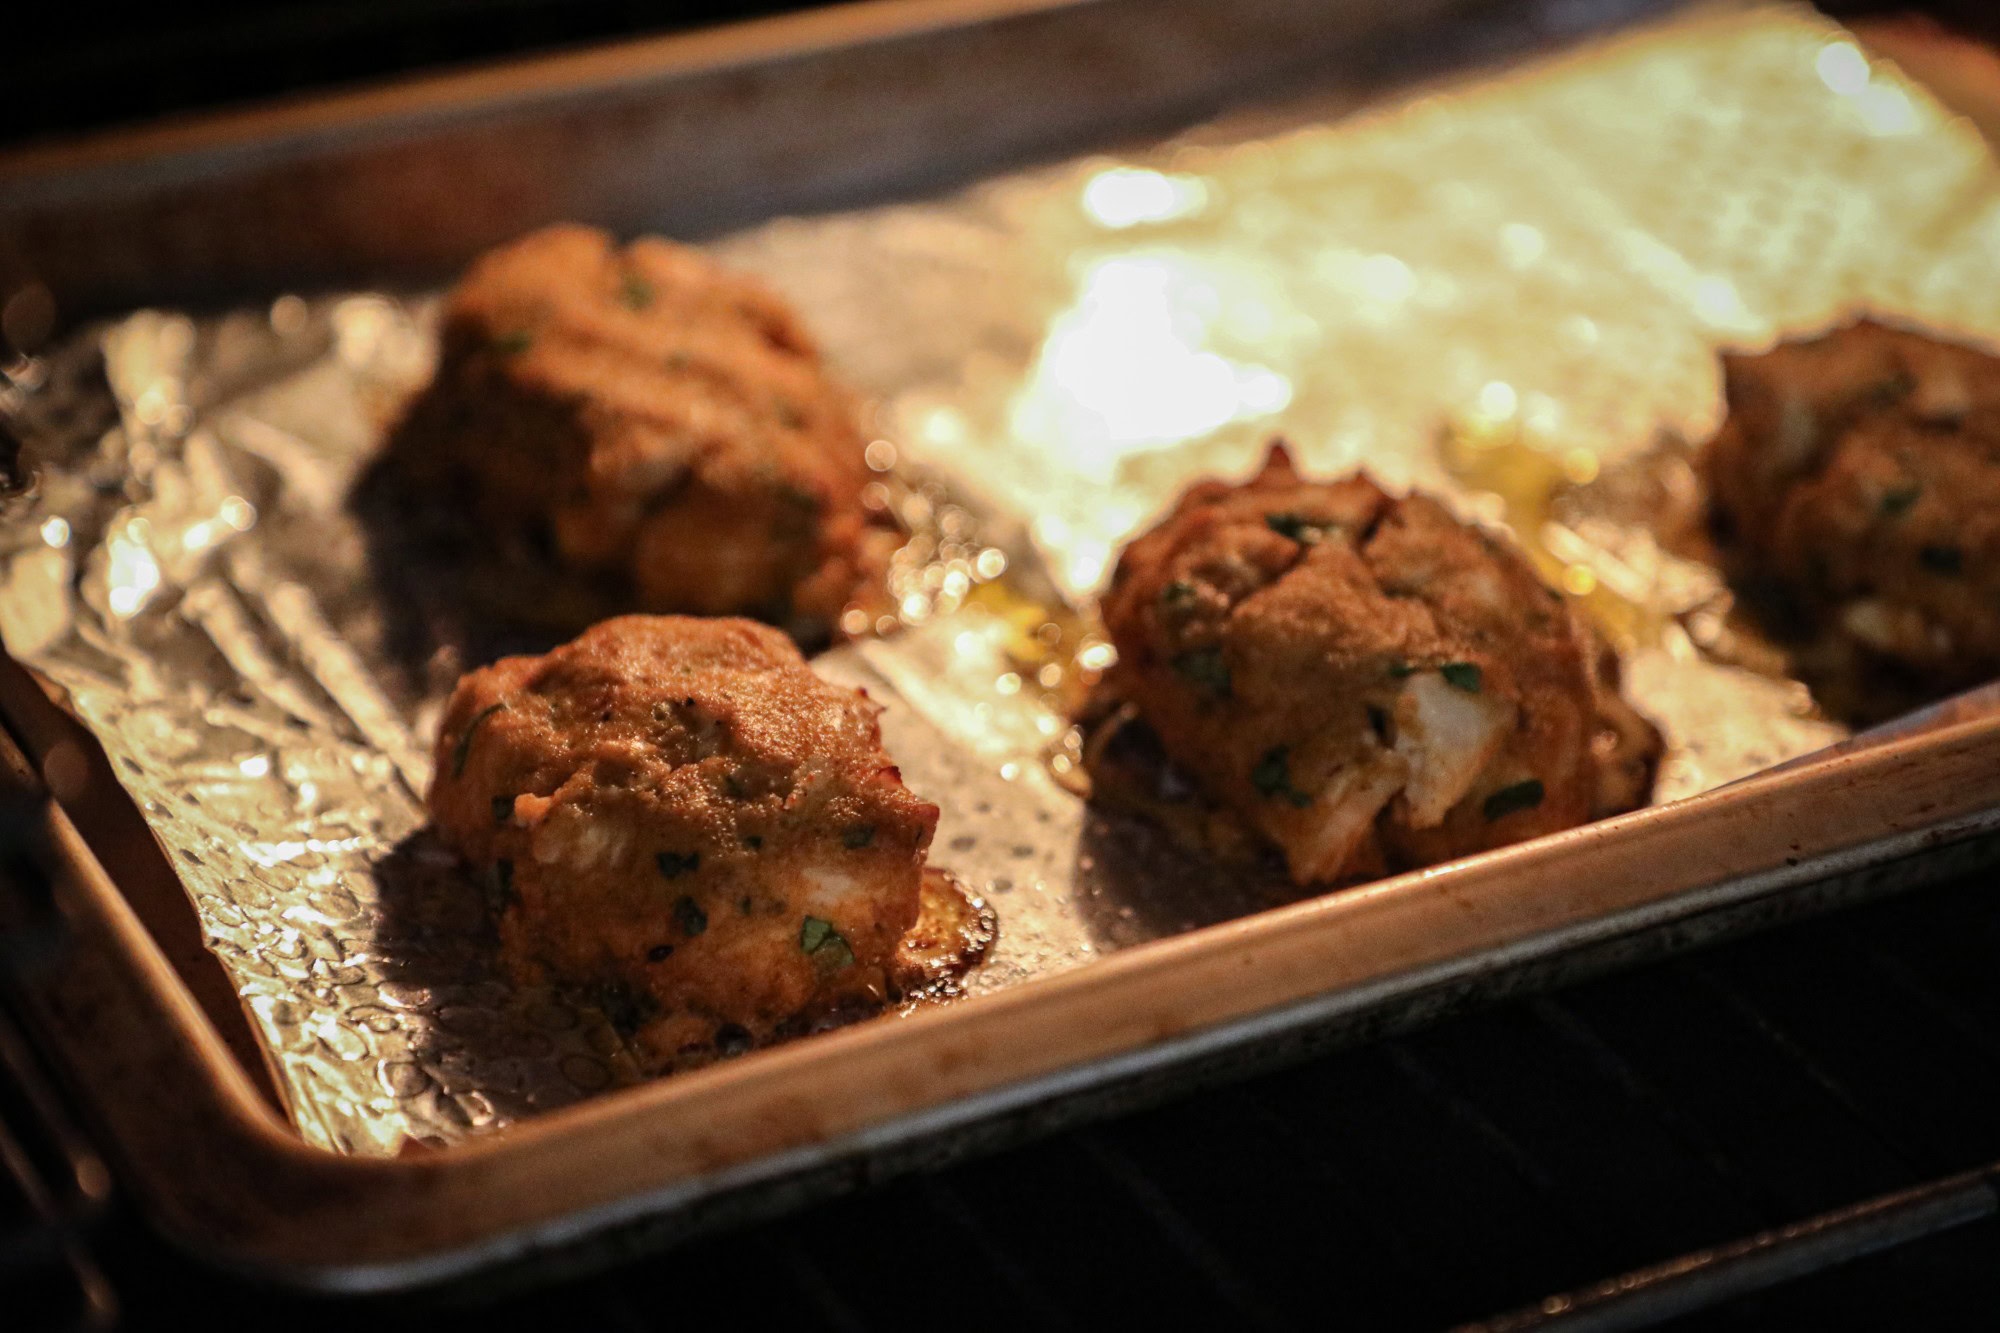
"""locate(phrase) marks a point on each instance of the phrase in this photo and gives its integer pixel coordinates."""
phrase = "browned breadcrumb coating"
(654, 418)
(680, 817)
(1365, 680)
(1857, 475)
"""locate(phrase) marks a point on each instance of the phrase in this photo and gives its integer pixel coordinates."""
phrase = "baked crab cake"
(653, 422)
(680, 819)
(1364, 681)
(1855, 488)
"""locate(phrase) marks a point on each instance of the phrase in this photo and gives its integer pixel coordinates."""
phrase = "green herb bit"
(1463, 675)
(1297, 527)
(1272, 777)
(754, 842)
(1177, 593)
(825, 945)
(813, 932)
(689, 916)
(503, 884)
(1897, 500)
(1401, 670)
(1947, 560)
(1520, 796)
(1885, 392)
(463, 750)
(1204, 667)
(503, 809)
(635, 292)
(624, 1008)
(514, 342)
(675, 864)
(799, 508)
(858, 836)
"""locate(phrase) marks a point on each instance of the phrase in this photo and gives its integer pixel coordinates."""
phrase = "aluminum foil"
(1509, 290)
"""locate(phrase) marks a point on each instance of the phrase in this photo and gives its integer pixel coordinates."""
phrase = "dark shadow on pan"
(481, 1048)
(1135, 883)
(1146, 875)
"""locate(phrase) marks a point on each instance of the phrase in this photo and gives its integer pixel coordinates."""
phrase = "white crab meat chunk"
(1445, 736)
(1320, 839)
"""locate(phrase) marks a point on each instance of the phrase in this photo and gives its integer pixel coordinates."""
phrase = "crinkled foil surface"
(1491, 289)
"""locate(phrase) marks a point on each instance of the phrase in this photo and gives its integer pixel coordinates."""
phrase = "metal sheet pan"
(773, 1125)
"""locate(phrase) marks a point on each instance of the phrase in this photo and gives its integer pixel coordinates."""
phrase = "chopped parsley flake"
(1295, 526)
(1520, 796)
(624, 1008)
(794, 519)
(1401, 671)
(635, 292)
(1896, 501)
(858, 836)
(503, 809)
(1204, 667)
(1463, 675)
(1272, 777)
(675, 864)
(1942, 559)
(689, 916)
(514, 342)
(1177, 593)
(503, 884)
(824, 944)
(463, 750)
(1885, 392)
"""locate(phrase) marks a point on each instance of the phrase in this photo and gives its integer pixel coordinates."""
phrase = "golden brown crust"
(682, 817)
(654, 419)
(1856, 485)
(1365, 680)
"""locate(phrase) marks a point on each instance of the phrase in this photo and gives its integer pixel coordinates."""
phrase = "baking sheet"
(1483, 289)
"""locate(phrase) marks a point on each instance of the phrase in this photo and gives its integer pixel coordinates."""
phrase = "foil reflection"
(1120, 197)
(1132, 366)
